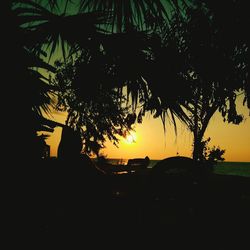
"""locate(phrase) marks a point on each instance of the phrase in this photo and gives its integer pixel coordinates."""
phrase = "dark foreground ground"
(66, 206)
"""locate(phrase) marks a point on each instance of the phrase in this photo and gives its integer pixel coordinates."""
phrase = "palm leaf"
(133, 12)
(46, 27)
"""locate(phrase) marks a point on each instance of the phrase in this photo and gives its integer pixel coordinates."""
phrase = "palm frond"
(126, 13)
(45, 27)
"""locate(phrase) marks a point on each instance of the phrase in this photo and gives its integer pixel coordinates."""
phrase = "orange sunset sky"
(150, 140)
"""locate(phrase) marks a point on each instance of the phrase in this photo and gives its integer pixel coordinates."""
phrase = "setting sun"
(130, 138)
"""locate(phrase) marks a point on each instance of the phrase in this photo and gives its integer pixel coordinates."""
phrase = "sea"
(229, 168)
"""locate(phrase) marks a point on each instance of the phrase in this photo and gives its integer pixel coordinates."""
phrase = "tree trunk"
(198, 148)
(199, 134)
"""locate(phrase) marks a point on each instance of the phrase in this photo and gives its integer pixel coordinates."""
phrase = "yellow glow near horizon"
(152, 142)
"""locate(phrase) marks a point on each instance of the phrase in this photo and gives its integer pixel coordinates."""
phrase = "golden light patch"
(130, 138)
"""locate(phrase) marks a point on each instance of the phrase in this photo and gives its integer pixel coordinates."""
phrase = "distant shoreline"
(226, 167)
(126, 159)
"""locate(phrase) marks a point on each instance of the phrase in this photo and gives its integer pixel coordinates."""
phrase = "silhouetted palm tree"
(124, 32)
(29, 90)
(215, 69)
(120, 47)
